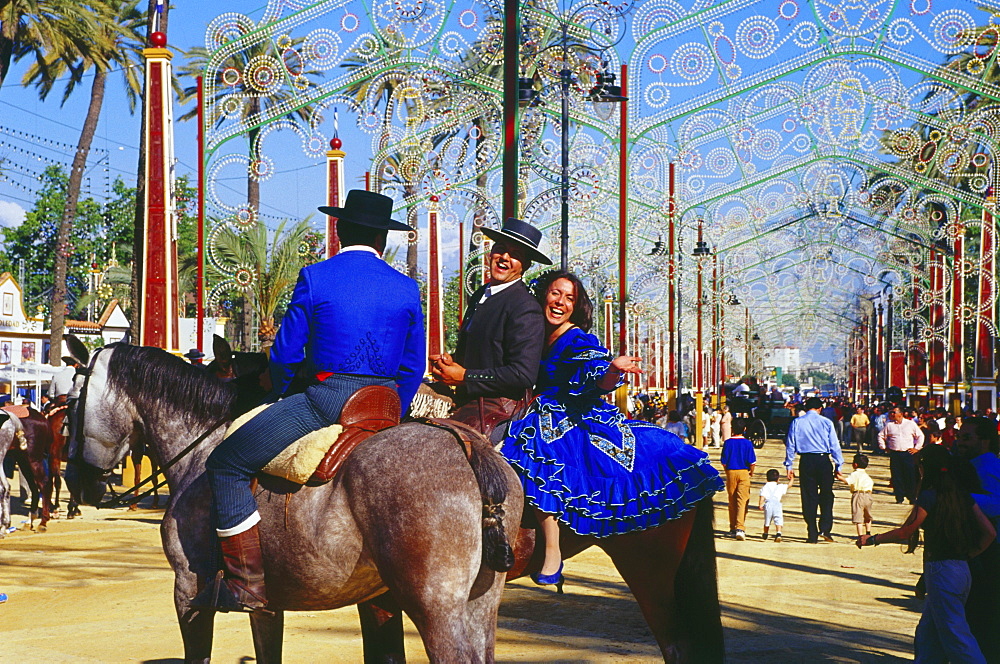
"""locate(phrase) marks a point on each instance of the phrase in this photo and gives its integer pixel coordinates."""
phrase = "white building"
(24, 341)
(786, 357)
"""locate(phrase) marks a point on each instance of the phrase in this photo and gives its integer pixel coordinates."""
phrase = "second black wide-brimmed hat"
(522, 233)
(367, 209)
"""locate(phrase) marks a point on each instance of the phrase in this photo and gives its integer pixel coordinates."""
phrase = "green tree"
(451, 312)
(258, 102)
(98, 228)
(789, 380)
(275, 260)
(110, 44)
(39, 27)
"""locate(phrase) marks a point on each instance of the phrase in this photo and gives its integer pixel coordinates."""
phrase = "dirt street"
(98, 589)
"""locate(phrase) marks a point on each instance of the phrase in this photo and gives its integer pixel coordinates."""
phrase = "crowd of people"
(944, 467)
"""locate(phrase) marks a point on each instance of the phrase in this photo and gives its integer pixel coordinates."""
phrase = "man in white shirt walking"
(903, 439)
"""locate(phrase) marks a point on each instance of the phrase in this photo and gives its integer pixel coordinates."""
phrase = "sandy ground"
(98, 589)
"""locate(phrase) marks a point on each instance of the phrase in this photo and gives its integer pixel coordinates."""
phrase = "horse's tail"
(697, 590)
(490, 470)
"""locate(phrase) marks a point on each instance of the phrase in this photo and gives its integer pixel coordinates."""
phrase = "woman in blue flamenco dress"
(582, 463)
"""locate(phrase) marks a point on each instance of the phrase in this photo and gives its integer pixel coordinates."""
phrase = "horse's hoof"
(133, 507)
(42, 528)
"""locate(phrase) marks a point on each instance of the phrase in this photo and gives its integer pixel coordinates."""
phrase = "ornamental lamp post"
(701, 254)
(600, 15)
(604, 92)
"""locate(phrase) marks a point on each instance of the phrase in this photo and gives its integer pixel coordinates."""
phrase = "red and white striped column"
(984, 389)
(956, 375)
(435, 300)
(334, 192)
(158, 324)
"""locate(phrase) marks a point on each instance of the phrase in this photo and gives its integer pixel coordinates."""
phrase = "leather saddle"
(20, 411)
(366, 412)
(491, 415)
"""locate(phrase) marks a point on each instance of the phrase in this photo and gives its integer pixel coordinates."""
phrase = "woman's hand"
(626, 364)
(619, 365)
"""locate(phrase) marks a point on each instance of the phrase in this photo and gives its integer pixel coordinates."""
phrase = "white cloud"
(11, 214)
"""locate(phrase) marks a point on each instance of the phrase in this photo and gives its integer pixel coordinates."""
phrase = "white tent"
(29, 375)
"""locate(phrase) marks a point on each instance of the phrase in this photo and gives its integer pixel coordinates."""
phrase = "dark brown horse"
(8, 432)
(33, 462)
(406, 518)
(57, 455)
(670, 570)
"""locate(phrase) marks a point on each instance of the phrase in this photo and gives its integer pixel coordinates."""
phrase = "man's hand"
(913, 450)
(790, 475)
(445, 369)
(443, 358)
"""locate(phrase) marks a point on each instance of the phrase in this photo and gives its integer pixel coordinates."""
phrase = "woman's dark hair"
(583, 308)
(953, 479)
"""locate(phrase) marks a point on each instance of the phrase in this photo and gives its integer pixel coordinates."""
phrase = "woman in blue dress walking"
(581, 462)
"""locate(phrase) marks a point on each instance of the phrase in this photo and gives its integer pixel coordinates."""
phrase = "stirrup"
(217, 596)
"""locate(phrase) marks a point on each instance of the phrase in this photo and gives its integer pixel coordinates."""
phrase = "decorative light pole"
(604, 91)
(701, 254)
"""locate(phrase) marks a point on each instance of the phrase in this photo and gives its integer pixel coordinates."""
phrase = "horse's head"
(102, 426)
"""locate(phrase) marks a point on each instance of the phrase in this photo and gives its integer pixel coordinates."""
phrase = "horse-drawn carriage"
(759, 418)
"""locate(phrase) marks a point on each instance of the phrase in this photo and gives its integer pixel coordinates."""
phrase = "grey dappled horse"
(406, 516)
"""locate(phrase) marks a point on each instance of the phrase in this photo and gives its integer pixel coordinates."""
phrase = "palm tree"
(275, 259)
(111, 44)
(39, 27)
(196, 63)
(382, 94)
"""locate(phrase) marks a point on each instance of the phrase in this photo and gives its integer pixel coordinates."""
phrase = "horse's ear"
(76, 349)
(126, 339)
(223, 352)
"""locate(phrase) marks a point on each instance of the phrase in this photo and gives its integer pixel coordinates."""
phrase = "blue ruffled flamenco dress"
(580, 459)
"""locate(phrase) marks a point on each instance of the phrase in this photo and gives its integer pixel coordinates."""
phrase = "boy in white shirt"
(861, 485)
(770, 501)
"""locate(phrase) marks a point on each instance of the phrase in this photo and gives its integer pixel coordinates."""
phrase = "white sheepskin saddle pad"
(299, 460)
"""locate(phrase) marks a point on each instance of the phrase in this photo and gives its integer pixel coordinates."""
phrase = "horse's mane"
(158, 382)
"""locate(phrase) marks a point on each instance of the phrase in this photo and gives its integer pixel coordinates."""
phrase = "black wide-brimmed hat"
(521, 233)
(366, 208)
(194, 354)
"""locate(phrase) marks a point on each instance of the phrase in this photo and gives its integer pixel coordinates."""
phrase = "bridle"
(76, 425)
(77, 414)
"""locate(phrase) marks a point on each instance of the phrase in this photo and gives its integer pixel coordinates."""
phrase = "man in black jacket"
(500, 344)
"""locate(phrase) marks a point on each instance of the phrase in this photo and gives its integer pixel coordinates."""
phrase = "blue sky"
(24, 120)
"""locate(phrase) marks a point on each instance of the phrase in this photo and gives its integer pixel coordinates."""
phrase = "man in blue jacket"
(354, 321)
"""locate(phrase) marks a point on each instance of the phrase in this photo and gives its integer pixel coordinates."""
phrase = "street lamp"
(604, 91)
(701, 253)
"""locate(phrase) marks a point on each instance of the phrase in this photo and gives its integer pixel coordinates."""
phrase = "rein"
(125, 500)
(122, 499)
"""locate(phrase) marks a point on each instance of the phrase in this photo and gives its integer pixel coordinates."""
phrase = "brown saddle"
(368, 411)
(486, 414)
(19, 411)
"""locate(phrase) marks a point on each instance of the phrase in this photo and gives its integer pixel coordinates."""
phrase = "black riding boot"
(239, 586)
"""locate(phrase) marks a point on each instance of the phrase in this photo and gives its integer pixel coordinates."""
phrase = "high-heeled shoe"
(550, 579)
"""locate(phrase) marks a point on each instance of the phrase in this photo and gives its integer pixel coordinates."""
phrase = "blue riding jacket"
(353, 314)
